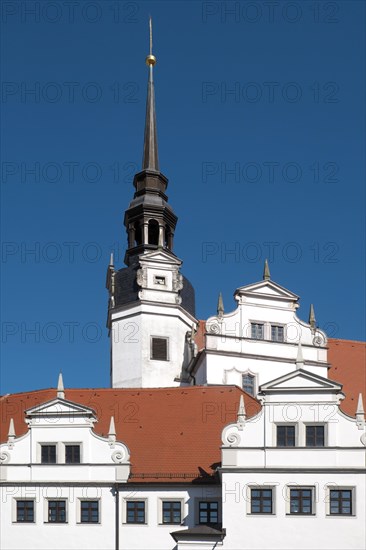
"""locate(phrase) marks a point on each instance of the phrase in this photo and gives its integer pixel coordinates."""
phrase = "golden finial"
(150, 59)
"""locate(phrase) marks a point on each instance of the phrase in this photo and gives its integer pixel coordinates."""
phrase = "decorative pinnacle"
(360, 409)
(266, 273)
(242, 415)
(220, 306)
(299, 358)
(150, 59)
(112, 433)
(111, 260)
(11, 432)
(60, 387)
(312, 320)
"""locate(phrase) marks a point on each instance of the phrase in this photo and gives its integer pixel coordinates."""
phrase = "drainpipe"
(116, 494)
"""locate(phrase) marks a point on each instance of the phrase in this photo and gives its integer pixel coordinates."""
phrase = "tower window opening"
(153, 232)
(138, 234)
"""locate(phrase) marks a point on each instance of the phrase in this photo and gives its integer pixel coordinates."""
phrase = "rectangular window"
(257, 331)
(277, 333)
(261, 501)
(72, 454)
(341, 502)
(25, 511)
(248, 382)
(159, 280)
(48, 454)
(285, 436)
(172, 511)
(301, 501)
(208, 512)
(315, 436)
(159, 349)
(89, 511)
(57, 511)
(135, 511)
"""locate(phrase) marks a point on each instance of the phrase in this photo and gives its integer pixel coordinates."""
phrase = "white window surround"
(274, 430)
(255, 381)
(335, 487)
(183, 511)
(39, 451)
(248, 499)
(45, 510)
(267, 330)
(62, 454)
(124, 510)
(288, 500)
(14, 511)
(78, 510)
(60, 451)
(300, 433)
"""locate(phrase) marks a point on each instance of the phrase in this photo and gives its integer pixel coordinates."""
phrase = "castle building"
(243, 431)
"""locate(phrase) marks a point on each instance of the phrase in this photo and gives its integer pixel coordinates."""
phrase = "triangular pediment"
(301, 380)
(268, 289)
(59, 407)
(160, 256)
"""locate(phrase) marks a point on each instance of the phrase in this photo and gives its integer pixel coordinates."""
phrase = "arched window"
(248, 383)
(153, 232)
(138, 234)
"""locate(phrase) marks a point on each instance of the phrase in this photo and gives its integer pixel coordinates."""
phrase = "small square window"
(48, 454)
(340, 502)
(159, 349)
(25, 511)
(257, 331)
(261, 501)
(72, 454)
(159, 280)
(315, 436)
(301, 501)
(285, 436)
(135, 511)
(208, 512)
(277, 333)
(172, 511)
(89, 511)
(248, 382)
(57, 511)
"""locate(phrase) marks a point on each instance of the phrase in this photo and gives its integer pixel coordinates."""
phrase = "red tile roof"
(348, 366)
(174, 434)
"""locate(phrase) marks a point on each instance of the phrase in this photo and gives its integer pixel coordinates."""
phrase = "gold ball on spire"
(150, 60)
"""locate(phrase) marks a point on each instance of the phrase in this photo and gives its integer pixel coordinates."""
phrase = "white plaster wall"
(281, 531)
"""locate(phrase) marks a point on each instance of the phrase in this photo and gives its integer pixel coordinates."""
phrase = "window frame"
(250, 500)
(47, 511)
(166, 338)
(200, 501)
(162, 501)
(257, 324)
(48, 444)
(287, 425)
(352, 490)
(73, 444)
(79, 511)
(254, 378)
(312, 512)
(15, 511)
(125, 511)
(277, 326)
(315, 425)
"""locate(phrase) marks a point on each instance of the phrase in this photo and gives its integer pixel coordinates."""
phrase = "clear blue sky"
(261, 133)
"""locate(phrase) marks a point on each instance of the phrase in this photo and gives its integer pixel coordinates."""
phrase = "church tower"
(151, 312)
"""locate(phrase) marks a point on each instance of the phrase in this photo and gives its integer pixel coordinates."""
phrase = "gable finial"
(312, 320)
(360, 413)
(150, 160)
(266, 272)
(299, 357)
(60, 387)
(111, 260)
(11, 434)
(220, 306)
(242, 415)
(112, 433)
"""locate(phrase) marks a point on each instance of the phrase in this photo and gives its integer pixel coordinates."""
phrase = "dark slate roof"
(202, 532)
(126, 289)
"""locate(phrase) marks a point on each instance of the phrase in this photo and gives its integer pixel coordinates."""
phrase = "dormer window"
(277, 333)
(257, 331)
(248, 382)
(48, 454)
(72, 454)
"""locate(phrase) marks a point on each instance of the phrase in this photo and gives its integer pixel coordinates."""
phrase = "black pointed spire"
(150, 159)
